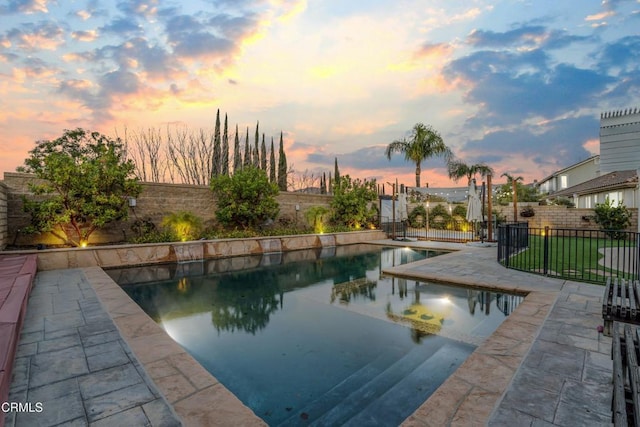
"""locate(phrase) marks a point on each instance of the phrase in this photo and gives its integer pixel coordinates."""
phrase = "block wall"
(154, 202)
(4, 231)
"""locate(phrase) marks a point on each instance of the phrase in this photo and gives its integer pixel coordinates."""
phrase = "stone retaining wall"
(127, 255)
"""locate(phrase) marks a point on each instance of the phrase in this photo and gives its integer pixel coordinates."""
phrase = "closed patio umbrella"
(474, 207)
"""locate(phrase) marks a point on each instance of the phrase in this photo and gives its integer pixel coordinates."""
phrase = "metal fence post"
(545, 259)
(507, 245)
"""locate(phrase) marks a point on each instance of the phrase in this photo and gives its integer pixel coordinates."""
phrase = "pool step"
(406, 395)
(358, 396)
(354, 381)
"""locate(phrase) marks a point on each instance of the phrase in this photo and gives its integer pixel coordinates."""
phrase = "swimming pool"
(316, 337)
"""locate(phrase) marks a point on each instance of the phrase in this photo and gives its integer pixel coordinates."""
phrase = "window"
(563, 181)
(615, 197)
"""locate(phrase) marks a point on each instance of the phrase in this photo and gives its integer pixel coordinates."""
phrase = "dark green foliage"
(247, 151)
(237, 155)
(256, 151)
(217, 148)
(612, 219)
(282, 167)
(246, 199)
(336, 171)
(424, 142)
(316, 216)
(272, 164)
(418, 216)
(87, 185)
(263, 155)
(224, 160)
(351, 202)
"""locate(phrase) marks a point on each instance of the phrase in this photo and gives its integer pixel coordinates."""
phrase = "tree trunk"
(418, 175)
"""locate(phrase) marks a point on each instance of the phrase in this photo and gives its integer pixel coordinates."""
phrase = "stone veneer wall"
(128, 255)
(154, 202)
(4, 230)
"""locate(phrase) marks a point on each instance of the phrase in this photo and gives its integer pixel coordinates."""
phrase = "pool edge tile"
(160, 349)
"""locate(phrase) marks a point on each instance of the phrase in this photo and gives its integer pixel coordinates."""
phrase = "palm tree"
(514, 184)
(424, 143)
(457, 169)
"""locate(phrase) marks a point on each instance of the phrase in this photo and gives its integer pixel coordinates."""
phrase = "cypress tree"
(330, 189)
(272, 164)
(323, 184)
(247, 150)
(237, 155)
(336, 172)
(215, 162)
(224, 167)
(263, 155)
(282, 167)
(256, 152)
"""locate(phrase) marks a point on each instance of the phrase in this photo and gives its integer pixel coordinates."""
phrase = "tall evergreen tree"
(215, 161)
(323, 184)
(247, 150)
(282, 167)
(272, 164)
(237, 155)
(256, 152)
(224, 167)
(330, 187)
(263, 155)
(336, 172)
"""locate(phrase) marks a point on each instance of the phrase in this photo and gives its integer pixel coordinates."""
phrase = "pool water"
(319, 337)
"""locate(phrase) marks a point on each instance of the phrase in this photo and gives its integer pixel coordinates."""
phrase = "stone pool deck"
(92, 357)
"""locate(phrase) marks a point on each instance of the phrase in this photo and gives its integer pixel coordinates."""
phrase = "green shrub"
(184, 225)
(246, 199)
(316, 216)
(612, 219)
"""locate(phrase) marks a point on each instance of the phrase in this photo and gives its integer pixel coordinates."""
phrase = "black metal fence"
(575, 254)
(446, 231)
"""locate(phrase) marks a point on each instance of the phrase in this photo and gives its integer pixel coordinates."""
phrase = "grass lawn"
(574, 257)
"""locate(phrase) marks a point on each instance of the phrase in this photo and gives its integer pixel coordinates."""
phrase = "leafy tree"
(282, 167)
(458, 169)
(87, 182)
(612, 219)
(513, 191)
(246, 199)
(351, 201)
(424, 143)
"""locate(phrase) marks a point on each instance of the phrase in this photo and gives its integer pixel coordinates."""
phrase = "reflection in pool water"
(310, 336)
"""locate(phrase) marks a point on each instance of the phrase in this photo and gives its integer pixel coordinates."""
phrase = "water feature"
(303, 337)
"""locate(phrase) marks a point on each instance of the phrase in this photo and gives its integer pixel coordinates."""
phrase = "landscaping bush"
(612, 219)
(245, 200)
(184, 225)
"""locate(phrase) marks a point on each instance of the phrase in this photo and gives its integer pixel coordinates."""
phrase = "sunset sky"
(517, 84)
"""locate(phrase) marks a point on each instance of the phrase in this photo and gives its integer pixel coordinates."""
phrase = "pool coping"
(468, 396)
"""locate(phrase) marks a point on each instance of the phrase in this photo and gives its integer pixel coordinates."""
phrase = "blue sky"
(519, 85)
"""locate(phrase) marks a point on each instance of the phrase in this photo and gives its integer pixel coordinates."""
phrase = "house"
(570, 176)
(617, 165)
